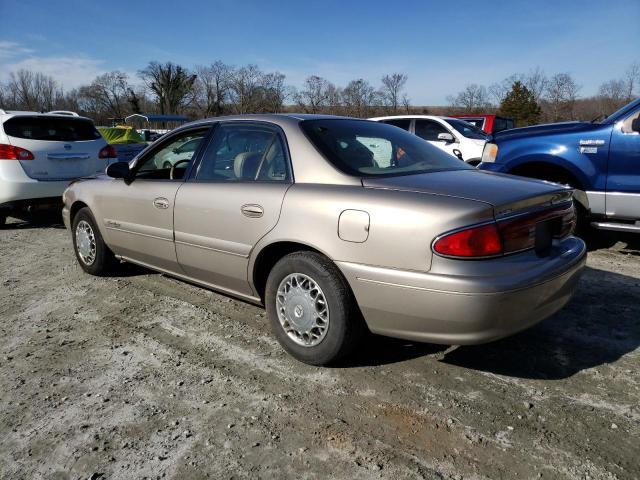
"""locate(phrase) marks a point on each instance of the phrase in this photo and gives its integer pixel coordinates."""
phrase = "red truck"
(488, 123)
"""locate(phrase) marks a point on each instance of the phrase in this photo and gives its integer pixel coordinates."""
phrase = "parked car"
(488, 123)
(454, 136)
(601, 160)
(40, 153)
(336, 225)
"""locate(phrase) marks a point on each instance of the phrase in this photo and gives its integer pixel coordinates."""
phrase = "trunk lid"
(505, 193)
(63, 147)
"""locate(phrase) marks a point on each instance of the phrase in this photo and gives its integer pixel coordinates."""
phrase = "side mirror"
(635, 125)
(118, 170)
(446, 137)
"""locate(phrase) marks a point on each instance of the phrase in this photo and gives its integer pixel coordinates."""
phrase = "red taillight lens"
(9, 152)
(510, 235)
(108, 152)
(519, 233)
(482, 241)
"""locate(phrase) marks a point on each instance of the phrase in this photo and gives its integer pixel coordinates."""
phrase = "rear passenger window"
(429, 130)
(51, 128)
(241, 153)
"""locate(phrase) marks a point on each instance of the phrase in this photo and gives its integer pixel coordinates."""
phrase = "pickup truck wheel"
(311, 309)
(3, 220)
(92, 253)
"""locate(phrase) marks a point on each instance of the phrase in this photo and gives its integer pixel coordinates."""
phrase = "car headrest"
(245, 165)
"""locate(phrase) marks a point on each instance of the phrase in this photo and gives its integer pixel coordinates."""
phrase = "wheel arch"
(75, 208)
(553, 172)
(269, 255)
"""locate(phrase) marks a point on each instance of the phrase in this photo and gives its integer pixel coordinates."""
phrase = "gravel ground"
(143, 376)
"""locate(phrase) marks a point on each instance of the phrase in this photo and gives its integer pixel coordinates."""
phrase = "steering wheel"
(173, 167)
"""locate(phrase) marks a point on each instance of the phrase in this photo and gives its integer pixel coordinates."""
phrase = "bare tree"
(612, 95)
(473, 99)
(561, 94)
(245, 88)
(32, 91)
(632, 78)
(392, 86)
(315, 95)
(212, 88)
(171, 84)
(358, 97)
(536, 82)
(499, 90)
(106, 96)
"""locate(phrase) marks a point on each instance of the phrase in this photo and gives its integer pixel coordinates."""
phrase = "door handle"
(252, 211)
(161, 203)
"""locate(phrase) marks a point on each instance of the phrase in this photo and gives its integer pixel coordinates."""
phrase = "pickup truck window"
(626, 124)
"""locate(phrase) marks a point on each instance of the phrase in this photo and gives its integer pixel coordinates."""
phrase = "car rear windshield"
(467, 129)
(365, 148)
(51, 128)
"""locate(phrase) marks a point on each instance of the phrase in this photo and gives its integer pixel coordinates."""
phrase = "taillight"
(9, 152)
(510, 235)
(481, 241)
(108, 152)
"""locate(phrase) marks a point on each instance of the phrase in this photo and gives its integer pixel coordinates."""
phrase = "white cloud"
(70, 71)
(12, 49)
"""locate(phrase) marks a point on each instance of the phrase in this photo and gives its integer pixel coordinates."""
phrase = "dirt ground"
(143, 376)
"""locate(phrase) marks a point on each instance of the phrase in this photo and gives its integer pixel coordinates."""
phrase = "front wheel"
(311, 309)
(92, 253)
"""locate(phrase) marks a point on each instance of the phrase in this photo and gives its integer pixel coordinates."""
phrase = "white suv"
(453, 135)
(40, 153)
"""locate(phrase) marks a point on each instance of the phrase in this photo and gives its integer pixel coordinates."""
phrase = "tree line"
(222, 89)
(211, 90)
(534, 97)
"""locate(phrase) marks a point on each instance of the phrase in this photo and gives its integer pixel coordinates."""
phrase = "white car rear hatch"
(63, 147)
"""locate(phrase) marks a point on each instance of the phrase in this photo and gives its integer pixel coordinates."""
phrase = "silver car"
(337, 226)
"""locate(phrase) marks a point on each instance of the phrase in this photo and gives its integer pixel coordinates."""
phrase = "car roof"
(281, 119)
(6, 114)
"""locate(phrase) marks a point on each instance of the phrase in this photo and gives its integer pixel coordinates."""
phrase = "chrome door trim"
(68, 156)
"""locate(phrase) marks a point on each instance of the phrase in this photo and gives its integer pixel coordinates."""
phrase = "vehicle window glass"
(51, 128)
(429, 130)
(364, 148)
(466, 129)
(176, 153)
(626, 124)
(499, 124)
(244, 153)
(402, 123)
(476, 122)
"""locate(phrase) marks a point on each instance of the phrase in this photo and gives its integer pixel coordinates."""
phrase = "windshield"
(365, 148)
(466, 129)
(44, 127)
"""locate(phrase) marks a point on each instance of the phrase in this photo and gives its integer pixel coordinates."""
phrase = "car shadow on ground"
(597, 327)
(33, 221)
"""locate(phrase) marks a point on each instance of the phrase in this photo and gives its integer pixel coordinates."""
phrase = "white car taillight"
(9, 152)
(489, 153)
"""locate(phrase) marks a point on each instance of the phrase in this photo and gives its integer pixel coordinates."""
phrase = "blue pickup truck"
(600, 160)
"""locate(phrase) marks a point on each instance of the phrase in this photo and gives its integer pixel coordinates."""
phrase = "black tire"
(103, 262)
(345, 326)
(3, 220)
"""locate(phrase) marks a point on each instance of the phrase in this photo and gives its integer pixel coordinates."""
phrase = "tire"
(307, 277)
(97, 259)
(3, 220)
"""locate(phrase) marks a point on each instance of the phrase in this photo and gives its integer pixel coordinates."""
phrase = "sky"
(441, 45)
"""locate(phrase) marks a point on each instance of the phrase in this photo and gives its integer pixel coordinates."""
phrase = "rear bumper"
(16, 188)
(414, 306)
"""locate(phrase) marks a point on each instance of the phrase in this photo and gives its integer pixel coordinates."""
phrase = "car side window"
(403, 123)
(244, 153)
(429, 130)
(627, 123)
(175, 153)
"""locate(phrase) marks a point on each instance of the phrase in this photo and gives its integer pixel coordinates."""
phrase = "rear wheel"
(92, 253)
(311, 309)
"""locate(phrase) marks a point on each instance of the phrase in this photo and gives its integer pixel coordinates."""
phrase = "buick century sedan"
(338, 227)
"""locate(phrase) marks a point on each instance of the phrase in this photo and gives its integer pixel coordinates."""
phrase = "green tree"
(520, 104)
